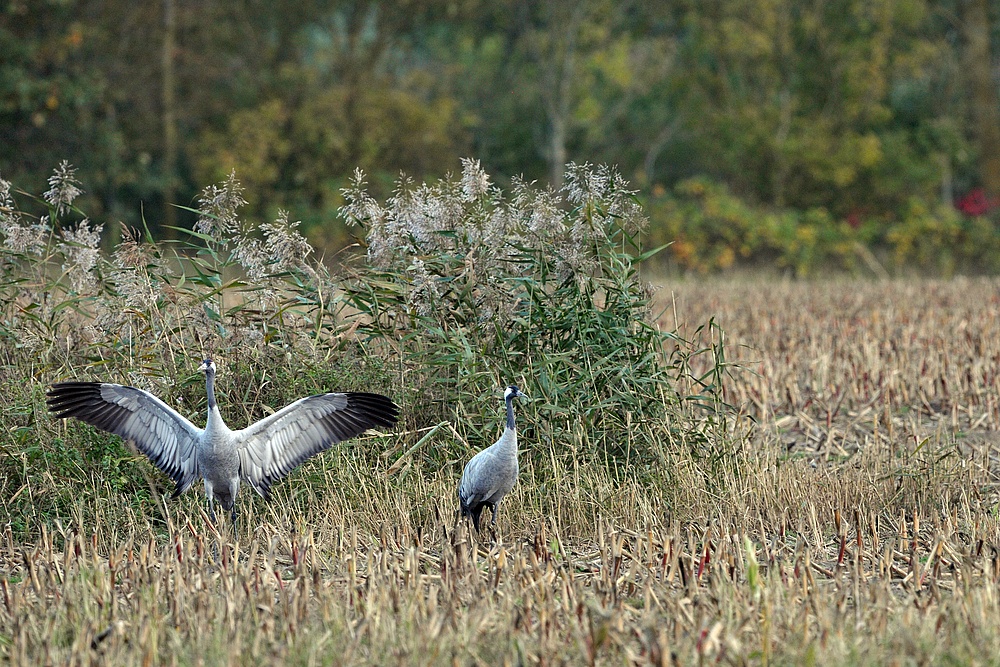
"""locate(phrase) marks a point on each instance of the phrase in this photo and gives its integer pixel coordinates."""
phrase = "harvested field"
(847, 512)
(845, 368)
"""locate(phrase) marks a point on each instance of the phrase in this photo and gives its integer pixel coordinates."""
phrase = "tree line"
(859, 108)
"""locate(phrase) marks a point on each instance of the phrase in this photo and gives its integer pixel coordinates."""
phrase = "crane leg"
(210, 495)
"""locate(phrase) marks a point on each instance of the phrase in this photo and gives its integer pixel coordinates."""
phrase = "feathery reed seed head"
(62, 188)
(219, 206)
(81, 249)
(18, 236)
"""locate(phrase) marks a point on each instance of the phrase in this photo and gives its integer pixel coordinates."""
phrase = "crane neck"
(215, 423)
(510, 412)
(210, 388)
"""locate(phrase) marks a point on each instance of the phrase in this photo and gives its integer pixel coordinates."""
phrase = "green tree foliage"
(294, 95)
(298, 157)
(804, 104)
(51, 94)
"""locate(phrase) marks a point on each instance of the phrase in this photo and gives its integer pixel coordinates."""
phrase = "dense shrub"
(476, 289)
(714, 230)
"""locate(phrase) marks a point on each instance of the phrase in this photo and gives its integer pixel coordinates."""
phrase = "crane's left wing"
(277, 444)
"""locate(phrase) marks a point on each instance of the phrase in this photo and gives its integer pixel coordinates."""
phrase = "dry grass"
(847, 514)
(878, 374)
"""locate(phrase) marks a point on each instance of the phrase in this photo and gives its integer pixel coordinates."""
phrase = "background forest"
(853, 134)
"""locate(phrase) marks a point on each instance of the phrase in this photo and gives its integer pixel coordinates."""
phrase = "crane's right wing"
(168, 439)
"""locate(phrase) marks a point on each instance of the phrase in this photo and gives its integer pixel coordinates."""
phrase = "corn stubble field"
(843, 509)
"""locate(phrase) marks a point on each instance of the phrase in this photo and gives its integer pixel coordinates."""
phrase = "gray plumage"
(492, 473)
(260, 454)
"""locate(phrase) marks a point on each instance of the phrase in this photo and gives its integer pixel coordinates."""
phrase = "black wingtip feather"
(66, 399)
(379, 409)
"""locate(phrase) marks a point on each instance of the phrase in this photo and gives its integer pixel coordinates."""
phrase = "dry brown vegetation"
(846, 513)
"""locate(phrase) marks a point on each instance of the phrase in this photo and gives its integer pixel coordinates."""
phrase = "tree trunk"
(557, 151)
(558, 59)
(984, 98)
(169, 118)
(112, 175)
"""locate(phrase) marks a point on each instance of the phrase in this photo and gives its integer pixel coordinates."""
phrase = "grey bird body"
(219, 461)
(260, 454)
(491, 474)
